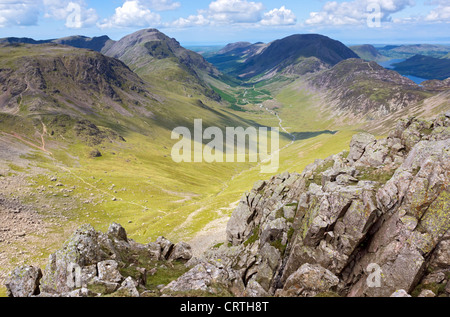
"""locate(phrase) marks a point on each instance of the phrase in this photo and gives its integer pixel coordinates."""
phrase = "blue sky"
(224, 21)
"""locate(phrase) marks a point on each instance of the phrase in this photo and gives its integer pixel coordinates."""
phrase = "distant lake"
(388, 65)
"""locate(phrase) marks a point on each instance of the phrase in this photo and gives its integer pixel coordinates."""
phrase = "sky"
(218, 22)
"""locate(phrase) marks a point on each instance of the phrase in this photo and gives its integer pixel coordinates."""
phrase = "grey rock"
(24, 281)
(255, 290)
(84, 248)
(128, 288)
(427, 293)
(207, 278)
(108, 271)
(358, 145)
(181, 252)
(154, 250)
(166, 247)
(82, 292)
(103, 287)
(309, 280)
(400, 293)
(237, 228)
(118, 232)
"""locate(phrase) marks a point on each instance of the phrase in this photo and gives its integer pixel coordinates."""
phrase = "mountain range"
(86, 131)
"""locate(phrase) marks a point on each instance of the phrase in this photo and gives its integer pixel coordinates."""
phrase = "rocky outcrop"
(93, 263)
(368, 222)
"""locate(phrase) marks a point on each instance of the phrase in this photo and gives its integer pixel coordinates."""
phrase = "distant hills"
(349, 77)
(147, 51)
(407, 51)
(368, 52)
(425, 67)
(95, 43)
(246, 61)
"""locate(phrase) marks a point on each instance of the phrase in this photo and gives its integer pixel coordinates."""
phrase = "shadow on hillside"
(308, 135)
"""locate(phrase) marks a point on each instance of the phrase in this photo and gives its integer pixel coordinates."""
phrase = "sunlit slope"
(105, 134)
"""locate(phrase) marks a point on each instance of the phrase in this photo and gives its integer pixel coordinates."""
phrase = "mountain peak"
(287, 51)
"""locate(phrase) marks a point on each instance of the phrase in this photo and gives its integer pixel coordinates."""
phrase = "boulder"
(359, 144)
(108, 271)
(128, 288)
(116, 231)
(309, 281)
(24, 281)
(181, 252)
(400, 293)
(208, 279)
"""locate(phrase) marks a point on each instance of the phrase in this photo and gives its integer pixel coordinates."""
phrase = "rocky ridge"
(93, 263)
(370, 222)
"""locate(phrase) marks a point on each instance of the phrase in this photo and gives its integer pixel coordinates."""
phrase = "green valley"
(86, 135)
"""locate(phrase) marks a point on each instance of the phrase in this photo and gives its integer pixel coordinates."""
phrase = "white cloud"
(441, 13)
(18, 13)
(281, 16)
(231, 12)
(161, 5)
(192, 20)
(132, 14)
(235, 11)
(355, 12)
(75, 13)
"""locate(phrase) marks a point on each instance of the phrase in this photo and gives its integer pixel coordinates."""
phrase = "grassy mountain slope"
(157, 57)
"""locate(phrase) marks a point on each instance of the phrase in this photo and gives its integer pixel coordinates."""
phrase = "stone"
(237, 227)
(310, 280)
(154, 250)
(84, 248)
(166, 247)
(128, 288)
(24, 281)
(108, 271)
(380, 215)
(254, 289)
(117, 231)
(181, 252)
(400, 293)
(103, 287)
(207, 278)
(427, 293)
(82, 292)
(358, 145)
